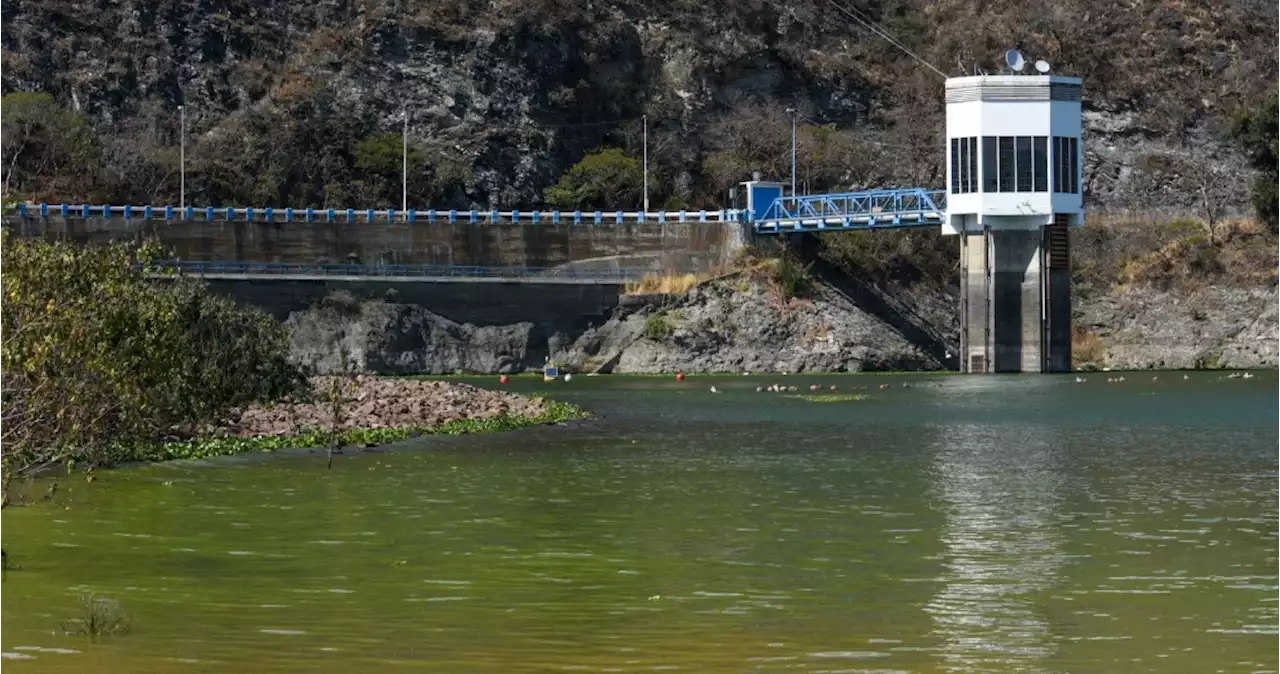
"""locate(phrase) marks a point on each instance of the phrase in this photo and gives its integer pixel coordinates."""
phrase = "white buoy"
(713, 389)
(568, 377)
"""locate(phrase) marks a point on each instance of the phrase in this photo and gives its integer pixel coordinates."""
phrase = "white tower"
(1014, 167)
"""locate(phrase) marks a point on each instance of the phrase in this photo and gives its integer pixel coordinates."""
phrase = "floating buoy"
(833, 387)
(713, 389)
(567, 376)
(679, 376)
(503, 379)
(813, 387)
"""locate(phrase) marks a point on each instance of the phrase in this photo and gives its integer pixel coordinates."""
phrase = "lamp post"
(182, 156)
(793, 150)
(645, 170)
(404, 162)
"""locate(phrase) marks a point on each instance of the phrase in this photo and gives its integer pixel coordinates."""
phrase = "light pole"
(404, 162)
(182, 156)
(793, 150)
(645, 144)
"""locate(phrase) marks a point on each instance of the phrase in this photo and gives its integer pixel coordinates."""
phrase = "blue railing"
(368, 215)
(201, 268)
(913, 207)
(876, 209)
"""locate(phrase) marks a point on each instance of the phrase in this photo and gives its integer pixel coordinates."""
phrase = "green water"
(962, 524)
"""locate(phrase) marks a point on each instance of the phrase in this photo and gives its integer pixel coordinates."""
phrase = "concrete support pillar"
(1057, 297)
(975, 304)
(1015, 288)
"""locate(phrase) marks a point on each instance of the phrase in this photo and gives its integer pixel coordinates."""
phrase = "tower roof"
(990, 88)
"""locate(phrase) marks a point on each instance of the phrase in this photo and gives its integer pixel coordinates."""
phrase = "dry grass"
(1171, 253)
(1087, 350)
(664, 283)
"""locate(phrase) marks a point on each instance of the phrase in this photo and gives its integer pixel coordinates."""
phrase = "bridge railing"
(202, 268)
(370, 215)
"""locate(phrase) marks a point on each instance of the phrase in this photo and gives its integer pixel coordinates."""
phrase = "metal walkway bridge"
(876, 209)
(879, 209)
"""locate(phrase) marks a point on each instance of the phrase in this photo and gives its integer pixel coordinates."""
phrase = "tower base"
(1015, 289)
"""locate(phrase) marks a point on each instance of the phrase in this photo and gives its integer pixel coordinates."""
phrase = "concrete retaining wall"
(479, 303)
(681, 248)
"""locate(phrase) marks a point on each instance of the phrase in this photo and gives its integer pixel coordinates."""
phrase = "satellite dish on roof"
(1042, 67)
(1013, 59)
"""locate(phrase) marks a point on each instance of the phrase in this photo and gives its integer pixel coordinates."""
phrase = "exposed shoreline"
(374, 411)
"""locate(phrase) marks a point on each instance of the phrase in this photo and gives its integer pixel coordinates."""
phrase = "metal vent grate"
(977, 363)
(1059, 246)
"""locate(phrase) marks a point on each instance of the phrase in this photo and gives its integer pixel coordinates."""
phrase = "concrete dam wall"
(652, 246)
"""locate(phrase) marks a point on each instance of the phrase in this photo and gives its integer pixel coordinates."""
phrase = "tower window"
(964, 165)
(1015, 164)
(1040, 150)
(1007, 165)
(1066, 163)
(990, 177)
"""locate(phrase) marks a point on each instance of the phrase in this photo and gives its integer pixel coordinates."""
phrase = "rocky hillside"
(1187, 305)
(299, 103)
(740, 322)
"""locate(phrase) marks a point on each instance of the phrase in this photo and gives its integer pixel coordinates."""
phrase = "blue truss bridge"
(879, 209)
(771, 214)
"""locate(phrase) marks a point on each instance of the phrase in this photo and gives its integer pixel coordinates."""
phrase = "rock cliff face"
(385, 338)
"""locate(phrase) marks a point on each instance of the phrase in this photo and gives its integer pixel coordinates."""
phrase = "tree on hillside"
(1257, 131)
(50, 153)
(605, 178)
(829, 158)
(1214, 186)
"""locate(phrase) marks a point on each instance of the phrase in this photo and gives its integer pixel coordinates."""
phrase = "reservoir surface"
(955, 524)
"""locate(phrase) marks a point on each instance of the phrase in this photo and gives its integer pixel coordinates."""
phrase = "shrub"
(789, 277)
(657, 327)
(95, 353)
(98, 617)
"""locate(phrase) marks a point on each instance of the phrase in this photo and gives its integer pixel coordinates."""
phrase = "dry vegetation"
(1171, 254)
(665, 283)
(1087, 350)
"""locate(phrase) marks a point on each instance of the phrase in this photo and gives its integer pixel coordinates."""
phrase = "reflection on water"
(1019, 524)
(999, 489)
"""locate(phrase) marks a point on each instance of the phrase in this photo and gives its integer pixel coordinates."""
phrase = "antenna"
(1013, 59)
(1042, 67)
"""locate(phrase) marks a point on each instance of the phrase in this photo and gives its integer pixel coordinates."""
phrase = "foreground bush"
(96, 354)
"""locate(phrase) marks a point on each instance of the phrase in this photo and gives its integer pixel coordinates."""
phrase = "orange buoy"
(503, 379)
(679, 376)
